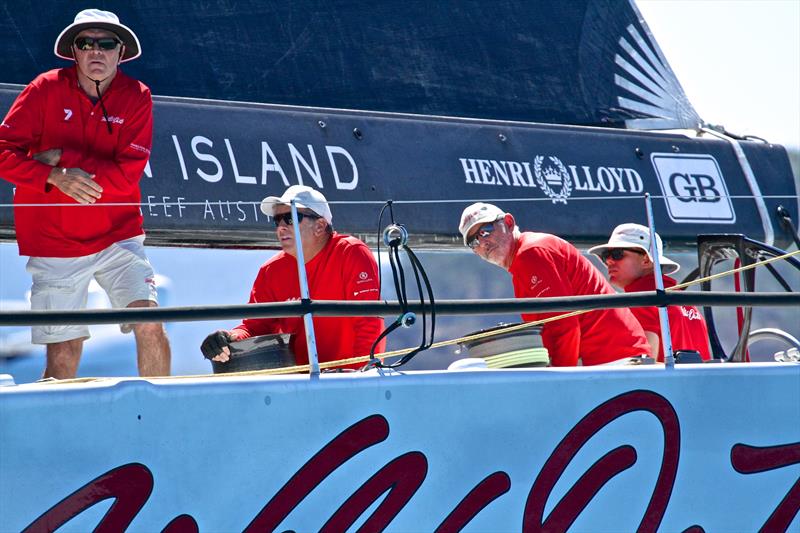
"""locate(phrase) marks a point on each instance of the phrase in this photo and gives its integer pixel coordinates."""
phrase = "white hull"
(219, 450)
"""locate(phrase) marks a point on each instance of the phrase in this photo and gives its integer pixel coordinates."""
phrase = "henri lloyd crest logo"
(694, 188)
(553, 178)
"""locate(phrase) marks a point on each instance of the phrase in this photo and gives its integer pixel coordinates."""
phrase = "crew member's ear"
(121, 53)
(509, 221)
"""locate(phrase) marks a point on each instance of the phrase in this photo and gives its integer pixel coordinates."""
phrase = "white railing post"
(666, 336)
(311, 341)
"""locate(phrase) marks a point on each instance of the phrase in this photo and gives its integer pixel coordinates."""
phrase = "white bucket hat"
(304, 196)
(478, 213)
(101, 20)
(636, 236)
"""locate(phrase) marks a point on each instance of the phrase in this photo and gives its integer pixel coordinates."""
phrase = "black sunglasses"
(485, 230)
(287, 217)
(103, 43)
(617, 253)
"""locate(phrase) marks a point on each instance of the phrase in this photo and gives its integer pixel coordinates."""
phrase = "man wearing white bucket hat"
(630, 267)
(543, 265)
(77, 136)
(338, 267)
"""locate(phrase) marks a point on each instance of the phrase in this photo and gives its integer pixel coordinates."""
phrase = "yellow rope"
(460, 340)
(735, 270)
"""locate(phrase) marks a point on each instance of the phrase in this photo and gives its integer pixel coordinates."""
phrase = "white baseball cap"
(304, 196)
(101, 20)
(636, 236)
(478, 213)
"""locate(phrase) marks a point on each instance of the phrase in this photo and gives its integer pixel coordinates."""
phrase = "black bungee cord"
(395, 236)
(427, 342)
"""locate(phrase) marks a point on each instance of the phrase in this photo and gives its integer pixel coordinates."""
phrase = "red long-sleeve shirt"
(54, 112)
(687, 326)
(343, 270)
(547, 266)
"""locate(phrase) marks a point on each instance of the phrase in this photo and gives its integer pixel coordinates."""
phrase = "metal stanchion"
(311, 341)
(666, 337)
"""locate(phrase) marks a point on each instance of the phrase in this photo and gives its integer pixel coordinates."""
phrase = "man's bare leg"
(152, 346)
(63, 359)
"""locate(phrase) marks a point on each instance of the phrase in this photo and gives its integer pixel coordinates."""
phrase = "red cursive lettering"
(402, 477)
(485, 492)
(752, 460)
(355, 439)
(572, 504)
(130, 485)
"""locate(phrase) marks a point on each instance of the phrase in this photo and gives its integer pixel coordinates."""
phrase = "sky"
(738, 61)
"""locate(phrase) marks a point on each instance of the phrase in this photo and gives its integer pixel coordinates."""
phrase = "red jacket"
(687, 326)
(546, 266)
(343, 270)
(54, 112)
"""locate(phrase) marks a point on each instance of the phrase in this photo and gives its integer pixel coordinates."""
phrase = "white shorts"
(62, 283)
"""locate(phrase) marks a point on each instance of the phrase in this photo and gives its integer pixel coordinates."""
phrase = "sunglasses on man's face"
(103, 43)
(617, 254)
(474, 241)
(287, 218)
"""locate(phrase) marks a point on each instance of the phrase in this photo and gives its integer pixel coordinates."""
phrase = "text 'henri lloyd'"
(549, 174)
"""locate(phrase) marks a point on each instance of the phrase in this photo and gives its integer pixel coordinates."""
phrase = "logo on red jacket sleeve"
(363, 277)
(140, 148)
(690, 313)
(67, 114)
(535, 289)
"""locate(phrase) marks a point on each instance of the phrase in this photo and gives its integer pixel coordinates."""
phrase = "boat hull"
(613, 448)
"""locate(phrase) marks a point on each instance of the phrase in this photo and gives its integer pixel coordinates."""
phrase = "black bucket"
(257, 353)
(522, 348)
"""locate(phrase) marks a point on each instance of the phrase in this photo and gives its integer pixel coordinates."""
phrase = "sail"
(582, 62)
(431, 105)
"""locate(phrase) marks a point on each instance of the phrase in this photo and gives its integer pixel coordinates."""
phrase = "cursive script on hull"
(130, 485)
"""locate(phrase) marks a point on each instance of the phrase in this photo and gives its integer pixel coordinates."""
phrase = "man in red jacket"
(338, 267)
(630, 267)
(543, 265)
(77, 136)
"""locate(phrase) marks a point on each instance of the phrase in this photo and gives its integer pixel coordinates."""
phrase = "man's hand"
(75, 183)
(49, 157)
(217, 346)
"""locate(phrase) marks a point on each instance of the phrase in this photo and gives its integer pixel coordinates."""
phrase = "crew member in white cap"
(339, 267)
(76, 136)
(543, 265)
(630, 268)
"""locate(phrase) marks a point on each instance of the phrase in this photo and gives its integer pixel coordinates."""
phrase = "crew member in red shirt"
(76, 136)
(543, 265)
(338, 267)
(630, 267)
